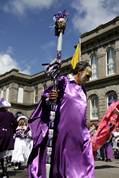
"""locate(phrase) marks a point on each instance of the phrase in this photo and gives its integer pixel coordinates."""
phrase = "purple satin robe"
(73, 156)
(109, 151)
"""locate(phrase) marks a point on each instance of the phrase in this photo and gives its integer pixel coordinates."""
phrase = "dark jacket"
(8, 125)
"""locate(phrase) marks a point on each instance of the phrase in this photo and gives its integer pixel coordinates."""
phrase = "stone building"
(100, 47)
(24, 91)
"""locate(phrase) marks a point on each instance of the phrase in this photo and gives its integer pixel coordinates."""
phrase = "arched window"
(94, 107)
(110, 61)
(111, 96)
(94, 67)
(20, 95)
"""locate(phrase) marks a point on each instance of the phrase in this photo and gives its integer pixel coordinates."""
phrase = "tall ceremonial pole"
(53, 71)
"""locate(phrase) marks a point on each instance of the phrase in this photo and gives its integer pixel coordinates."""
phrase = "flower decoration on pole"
(52, 69)
(60, 22)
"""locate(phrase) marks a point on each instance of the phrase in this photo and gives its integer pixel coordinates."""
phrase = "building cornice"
(100, 83)
(23, 106)
(101, 36)
(100, 29)
(15, 76)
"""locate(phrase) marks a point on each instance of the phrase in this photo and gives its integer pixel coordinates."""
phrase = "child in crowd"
(23, 143)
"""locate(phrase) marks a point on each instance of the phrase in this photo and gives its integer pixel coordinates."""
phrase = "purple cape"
(72, 155)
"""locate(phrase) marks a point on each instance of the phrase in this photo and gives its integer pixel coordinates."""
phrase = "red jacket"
(107, 124)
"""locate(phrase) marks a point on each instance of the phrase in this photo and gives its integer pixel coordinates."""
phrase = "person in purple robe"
(72, 155)
(109, 153)
(8, 125)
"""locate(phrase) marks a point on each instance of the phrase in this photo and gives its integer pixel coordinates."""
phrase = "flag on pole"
(76, 56)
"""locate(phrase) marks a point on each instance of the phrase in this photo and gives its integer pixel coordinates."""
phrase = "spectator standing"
(109, 153)
(115, 141)
(8, 125)
(23, 142)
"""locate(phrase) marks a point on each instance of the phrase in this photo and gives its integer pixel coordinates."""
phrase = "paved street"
(102, 169)
(107, 169)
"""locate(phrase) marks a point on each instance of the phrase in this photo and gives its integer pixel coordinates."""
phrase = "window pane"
(20, 95)
(7, 94)
(35, 94)
(94, 108)
(110, 61)
(94, 66)
(111, 97)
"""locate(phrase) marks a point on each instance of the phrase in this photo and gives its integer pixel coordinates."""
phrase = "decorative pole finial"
(60, 19)
(60, 22)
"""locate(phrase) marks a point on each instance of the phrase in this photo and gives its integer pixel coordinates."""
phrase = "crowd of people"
(70, 153)
(15, 138)
(110, 149)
